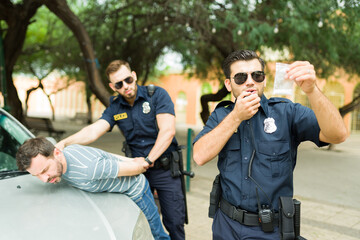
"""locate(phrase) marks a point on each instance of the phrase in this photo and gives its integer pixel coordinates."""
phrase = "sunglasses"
(120, 84)
(241, 77)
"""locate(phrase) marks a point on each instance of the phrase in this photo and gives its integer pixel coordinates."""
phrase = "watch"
(148, 160)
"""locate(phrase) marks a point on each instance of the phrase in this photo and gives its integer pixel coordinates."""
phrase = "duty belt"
(242, 216)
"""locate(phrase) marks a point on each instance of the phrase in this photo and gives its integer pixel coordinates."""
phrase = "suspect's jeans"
(147, 204)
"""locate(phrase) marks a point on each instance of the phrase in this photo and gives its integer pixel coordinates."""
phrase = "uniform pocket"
(230, 155)
(126, 125)
(274, 158)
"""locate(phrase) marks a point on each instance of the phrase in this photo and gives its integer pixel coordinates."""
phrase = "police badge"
(269, 125)
(146, 107)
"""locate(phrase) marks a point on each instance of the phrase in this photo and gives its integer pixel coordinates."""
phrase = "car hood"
(31, 209)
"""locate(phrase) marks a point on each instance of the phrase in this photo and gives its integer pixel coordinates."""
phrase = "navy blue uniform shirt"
(275, 157)
(138, 123)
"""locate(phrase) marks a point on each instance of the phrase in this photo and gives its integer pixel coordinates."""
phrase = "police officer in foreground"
(256, 140)
(146, 117)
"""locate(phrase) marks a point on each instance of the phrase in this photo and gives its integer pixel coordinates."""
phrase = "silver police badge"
(269, 125)
(146, 107)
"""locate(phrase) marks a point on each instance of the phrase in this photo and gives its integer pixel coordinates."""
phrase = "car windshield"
(12, 135)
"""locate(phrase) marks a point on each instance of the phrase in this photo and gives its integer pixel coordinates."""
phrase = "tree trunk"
(17, 18)
(212, 97)
(61, 9)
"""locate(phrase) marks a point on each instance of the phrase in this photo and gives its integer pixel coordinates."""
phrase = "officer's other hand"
(60, 145)
(247, 104)
(303, 74)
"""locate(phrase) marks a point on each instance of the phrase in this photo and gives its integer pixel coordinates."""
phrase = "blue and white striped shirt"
(95, 170)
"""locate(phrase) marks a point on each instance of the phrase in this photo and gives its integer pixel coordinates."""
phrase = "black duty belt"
(242, 216)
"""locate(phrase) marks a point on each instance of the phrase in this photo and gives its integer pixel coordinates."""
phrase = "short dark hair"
(240, 55)
(30, 149)
(114, 66)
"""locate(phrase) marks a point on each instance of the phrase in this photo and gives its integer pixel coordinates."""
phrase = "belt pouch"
(286, 221)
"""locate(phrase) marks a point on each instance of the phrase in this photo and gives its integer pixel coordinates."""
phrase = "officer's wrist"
(148, 160)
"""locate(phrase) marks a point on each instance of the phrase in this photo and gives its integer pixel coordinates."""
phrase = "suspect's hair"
(30, 149)
(241, 55)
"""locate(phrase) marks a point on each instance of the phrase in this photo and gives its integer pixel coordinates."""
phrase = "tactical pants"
(171, 200)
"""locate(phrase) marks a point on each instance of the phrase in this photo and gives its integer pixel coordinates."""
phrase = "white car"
(31, 209)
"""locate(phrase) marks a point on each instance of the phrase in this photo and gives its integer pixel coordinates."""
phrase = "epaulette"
(224, 104)
(279, 100)
(113, 98)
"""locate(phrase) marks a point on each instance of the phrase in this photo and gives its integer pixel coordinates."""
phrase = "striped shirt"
(95, 170)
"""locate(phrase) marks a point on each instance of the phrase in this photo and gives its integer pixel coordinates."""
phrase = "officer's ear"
(134, 75)
(227, 83)
(112, 87)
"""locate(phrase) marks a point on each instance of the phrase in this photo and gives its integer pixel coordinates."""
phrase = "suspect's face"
(46, 169)
(123, 81)
(250, 85)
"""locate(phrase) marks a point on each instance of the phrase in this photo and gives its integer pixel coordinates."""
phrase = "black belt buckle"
(238, 215)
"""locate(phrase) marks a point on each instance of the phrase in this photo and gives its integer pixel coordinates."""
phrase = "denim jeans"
(147, 204)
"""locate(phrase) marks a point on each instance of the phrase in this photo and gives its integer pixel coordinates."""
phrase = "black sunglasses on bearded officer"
(257, 76)
(120, 84)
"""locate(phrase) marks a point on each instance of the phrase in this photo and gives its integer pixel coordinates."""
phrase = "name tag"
(120, 116)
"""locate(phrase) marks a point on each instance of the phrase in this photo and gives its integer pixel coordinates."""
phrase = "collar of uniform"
(264, 103)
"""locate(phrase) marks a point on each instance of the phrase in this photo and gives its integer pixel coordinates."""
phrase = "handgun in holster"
(215, 196)
(126, 149)
(289, 219)
(177, 170)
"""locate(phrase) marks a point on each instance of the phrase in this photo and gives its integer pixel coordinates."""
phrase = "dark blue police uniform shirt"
(138, 123)
(275, 157)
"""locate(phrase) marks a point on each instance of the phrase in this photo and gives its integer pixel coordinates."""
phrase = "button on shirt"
(274, 153)
(138, 122)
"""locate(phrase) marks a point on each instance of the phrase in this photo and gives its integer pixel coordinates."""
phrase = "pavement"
(326, 182)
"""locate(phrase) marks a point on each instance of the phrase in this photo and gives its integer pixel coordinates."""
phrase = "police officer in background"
(256, 140)
(148, 124)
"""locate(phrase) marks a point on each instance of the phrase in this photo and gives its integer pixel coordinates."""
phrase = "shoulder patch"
(224, 104)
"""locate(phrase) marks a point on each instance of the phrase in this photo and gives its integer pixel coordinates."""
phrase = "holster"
(176, 163)
(215, 196)
(126, 149)
(289, 218)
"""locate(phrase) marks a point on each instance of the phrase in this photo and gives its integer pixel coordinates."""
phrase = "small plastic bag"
(282, 85)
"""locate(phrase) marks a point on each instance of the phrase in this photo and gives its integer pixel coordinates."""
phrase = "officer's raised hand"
(303, 74)
(247, 104)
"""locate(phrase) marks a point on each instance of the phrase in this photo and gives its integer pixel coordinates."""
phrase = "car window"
(11, 137)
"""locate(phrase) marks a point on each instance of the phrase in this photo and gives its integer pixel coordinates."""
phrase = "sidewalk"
(326, 183)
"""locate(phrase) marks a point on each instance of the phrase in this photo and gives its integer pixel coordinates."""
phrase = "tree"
(203, 32)
(17, 18)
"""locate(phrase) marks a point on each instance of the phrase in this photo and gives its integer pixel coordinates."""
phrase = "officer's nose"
(250, 80)
(126, 85)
